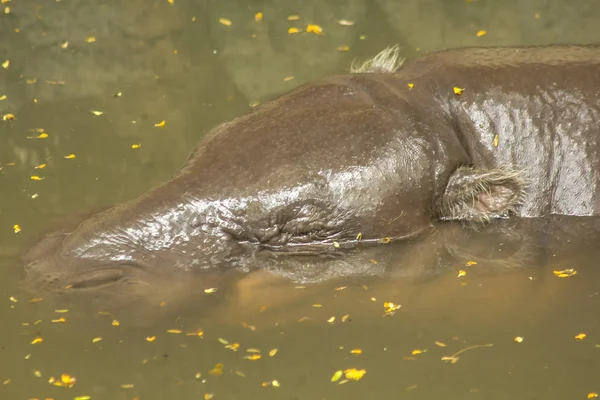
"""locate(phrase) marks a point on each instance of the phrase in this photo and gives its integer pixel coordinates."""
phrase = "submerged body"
(356, 160)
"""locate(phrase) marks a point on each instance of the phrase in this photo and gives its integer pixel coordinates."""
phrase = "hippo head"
(324, 171)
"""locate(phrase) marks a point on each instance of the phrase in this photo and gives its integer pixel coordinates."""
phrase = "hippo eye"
(97, 278)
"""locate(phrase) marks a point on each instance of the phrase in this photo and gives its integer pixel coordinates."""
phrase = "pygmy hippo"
(355, 161)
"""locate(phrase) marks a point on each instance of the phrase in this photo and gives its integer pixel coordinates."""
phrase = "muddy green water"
(143, 62)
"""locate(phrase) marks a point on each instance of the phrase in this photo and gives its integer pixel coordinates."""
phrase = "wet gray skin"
(351, 162)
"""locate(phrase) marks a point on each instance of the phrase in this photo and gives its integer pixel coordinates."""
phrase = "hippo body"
(351, 161)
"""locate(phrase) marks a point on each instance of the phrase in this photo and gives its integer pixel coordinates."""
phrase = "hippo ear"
(481, 194)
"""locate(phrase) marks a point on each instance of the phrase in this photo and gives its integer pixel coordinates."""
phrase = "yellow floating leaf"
(199, 333)
(160, 124)
(115, 322)
(356, 351)
(345, 22)
(390, 308)
(337, 375)
(293, 17)
(136, 146)
(359, 236)
(592, 395)
(289, 78)
(342, 48)
(97, 113)
(127, 385)
(300, 287)
(8, 117)
(331, 320)
(42, 136)
(471, 263)
(16, 228)
(13, 299)
(96, 339)
(293, 30)
(252, 350)
(581, 336)
(208, 396)
(70, 156)
(565, 273)
(210, 290)
(41, 166)
(37, 340)
(253, 357)
(339, 289)
(354, 374)
(258, 16)
(272, 352)
(5, 64)
(150, 338)
(64, 45)
(3, 97)
(275, 383)
(416, 352)
(83, 398)
(345, 317)
(233, 346)
(6, 381)
(481, 33)
(457, 90)
(518, 339)
(317, 305)
(37, 374)
(440, 344)
(410, 85)
(225, 21)
(461, 273)
(90, 39)
(496, 140)
(223, 341)
(59, 320)
(251, 327)
(217, 370)
(313, 28)
(175, 331)
(36, 178)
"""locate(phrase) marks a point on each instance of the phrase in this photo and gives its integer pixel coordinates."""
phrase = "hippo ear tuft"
(480, 195)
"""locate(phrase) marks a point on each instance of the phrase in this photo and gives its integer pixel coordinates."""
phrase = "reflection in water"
(176, 62)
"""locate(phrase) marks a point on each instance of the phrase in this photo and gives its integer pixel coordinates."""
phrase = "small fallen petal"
(8, 117)
(293, 30)
(210, 290)
(580, 336)
(225, 21)
(150, 338)
(160, 124)
(461, 273)
(96, 339)
(337, 375)
(481, 33)
(97, 113)
(258, 16)
(565, 273)
(354, 374)
(90, 39)
(313, 28)
(135, 146)
(36, 178)
(440, 344)
(293, 17)
(518, 339)
(273, 352)
(174, 331)
(16, 228)
(345, 22)
(70, 156)
(37, 340)
(457, 90)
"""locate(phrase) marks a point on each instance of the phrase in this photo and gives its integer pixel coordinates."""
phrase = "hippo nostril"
(97, 278)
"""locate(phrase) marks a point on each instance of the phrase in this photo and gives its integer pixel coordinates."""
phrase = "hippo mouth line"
(333, 248)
